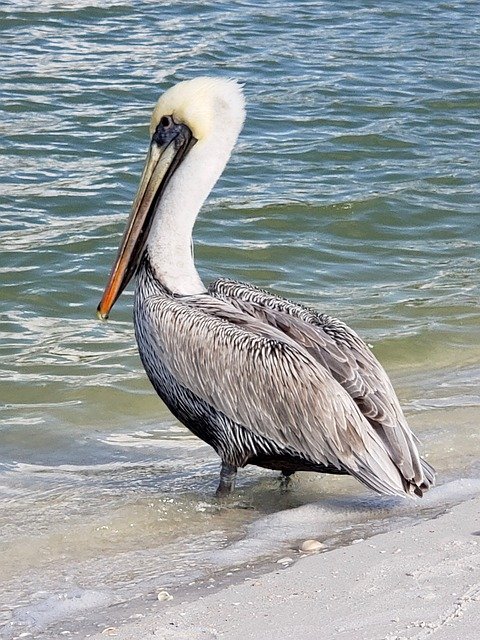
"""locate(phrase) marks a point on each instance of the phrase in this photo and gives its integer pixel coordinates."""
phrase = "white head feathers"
(203, 104)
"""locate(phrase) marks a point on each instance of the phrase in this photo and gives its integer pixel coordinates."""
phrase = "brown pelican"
(263, 380)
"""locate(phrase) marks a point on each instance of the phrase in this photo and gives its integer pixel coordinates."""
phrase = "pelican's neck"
(170, 240)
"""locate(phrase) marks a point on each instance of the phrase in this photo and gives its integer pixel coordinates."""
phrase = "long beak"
(167, 149)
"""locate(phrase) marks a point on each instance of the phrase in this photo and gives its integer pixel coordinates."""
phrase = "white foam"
(61, 606)
(323, 520)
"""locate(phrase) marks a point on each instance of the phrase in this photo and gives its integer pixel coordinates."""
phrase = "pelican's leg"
(285, 479)
(228, 475)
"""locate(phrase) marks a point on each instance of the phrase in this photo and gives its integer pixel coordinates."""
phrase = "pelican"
(263, 380)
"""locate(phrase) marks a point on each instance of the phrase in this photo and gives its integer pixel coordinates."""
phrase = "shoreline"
(413, 582)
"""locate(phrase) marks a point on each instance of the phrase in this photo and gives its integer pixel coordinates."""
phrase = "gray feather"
(348, 359)
(268, 377)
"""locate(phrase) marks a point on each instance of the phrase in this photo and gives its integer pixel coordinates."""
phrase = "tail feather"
(428, 478)
(379, 472)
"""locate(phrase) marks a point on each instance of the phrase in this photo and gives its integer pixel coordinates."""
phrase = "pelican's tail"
(375, 468)
(428, 479)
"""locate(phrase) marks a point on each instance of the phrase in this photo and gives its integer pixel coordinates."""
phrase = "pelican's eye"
(165, 130)
(166, 122)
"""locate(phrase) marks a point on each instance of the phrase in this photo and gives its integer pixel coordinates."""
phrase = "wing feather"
(261, 378)
(347, 358)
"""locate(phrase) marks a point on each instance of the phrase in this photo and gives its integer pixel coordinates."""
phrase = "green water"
(354, 188)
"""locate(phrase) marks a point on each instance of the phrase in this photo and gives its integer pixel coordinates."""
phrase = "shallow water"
(353, 188)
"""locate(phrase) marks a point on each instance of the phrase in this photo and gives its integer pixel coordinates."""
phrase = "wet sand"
(416, 582)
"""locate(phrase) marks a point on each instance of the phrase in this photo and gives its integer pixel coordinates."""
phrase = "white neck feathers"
(170, 238)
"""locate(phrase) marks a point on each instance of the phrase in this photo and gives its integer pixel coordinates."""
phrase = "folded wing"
(348, 360)
(263, 379)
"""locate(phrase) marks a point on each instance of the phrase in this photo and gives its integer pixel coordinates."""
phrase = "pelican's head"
(203, 104)
(199, 113)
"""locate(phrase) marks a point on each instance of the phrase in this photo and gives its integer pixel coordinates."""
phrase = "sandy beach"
(416, 582)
